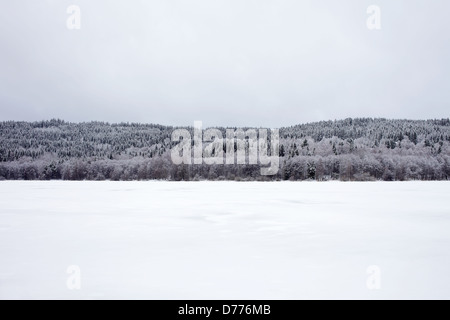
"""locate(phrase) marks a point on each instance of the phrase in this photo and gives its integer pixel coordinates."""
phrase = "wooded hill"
(350, 149)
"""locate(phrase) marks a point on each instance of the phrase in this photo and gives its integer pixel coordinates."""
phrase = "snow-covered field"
(224, 240)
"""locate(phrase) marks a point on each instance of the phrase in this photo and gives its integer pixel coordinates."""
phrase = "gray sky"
(230, 62)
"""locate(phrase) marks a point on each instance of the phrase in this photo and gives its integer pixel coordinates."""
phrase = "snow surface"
(224, 240)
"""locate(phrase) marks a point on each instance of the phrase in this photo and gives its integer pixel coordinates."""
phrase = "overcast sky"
(230, 62)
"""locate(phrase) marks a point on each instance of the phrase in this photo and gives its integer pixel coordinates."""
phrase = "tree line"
(360, 149)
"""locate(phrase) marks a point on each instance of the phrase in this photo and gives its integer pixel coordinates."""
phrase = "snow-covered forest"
(352, 149)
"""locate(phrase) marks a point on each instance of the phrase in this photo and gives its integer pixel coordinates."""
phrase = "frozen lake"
(224, 240)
